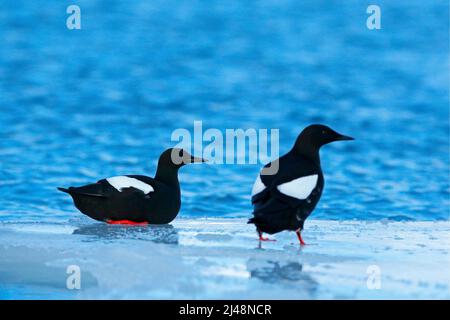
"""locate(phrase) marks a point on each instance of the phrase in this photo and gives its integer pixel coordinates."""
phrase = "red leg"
(261, 238)
(299, 236)
(129, 222)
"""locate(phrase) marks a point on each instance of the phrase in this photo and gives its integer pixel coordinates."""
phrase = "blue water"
(80, 105)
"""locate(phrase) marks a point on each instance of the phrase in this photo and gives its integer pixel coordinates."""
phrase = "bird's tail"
(76, 191)
(64, 190)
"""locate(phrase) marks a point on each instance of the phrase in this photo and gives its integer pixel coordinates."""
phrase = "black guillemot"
(136, 199)
(283, 200)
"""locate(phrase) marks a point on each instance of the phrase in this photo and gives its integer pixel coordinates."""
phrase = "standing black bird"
(135, 199)
(283, 200)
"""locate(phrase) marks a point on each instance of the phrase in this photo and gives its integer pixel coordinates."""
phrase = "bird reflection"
(165, 233)
(287, 272)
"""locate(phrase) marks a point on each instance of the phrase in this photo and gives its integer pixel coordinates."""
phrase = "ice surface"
(221, 258)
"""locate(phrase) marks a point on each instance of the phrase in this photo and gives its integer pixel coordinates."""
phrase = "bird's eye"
(181, 153)
(323, 132)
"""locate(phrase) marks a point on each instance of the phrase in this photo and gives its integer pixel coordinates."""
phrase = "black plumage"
(135, 199)
(283, 200)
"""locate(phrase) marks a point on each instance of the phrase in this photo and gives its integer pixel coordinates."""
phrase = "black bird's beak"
(341, 137)
(197, 159)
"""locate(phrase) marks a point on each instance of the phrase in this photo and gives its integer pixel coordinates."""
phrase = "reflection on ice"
(283, 273)
(220, 259)
(166, 233)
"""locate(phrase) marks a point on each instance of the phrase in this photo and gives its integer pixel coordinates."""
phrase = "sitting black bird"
(135, 199)
(284, 198)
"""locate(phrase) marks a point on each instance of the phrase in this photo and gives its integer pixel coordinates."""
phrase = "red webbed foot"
(127, 222)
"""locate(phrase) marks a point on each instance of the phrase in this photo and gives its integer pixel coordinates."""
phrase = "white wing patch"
(121, 182)
(299, 188)
(258, 186)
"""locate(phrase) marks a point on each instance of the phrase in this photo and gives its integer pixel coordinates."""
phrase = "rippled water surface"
(80, 105)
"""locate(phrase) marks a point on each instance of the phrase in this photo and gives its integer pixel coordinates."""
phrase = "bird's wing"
(299, 188)
(292, 182)
(121, 183)
(266, 177)
(259, 190)
(296, 190)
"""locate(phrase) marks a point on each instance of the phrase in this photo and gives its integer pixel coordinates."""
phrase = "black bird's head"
(315, 136)
(170, 161)
(177, 157)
